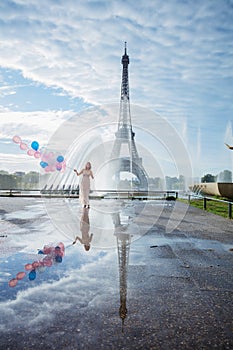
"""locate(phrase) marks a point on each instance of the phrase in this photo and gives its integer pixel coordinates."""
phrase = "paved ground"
(179, 294)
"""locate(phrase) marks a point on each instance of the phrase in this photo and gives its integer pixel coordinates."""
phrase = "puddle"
(109, 277)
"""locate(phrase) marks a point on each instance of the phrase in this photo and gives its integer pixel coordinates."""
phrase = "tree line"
(30, 180)
(223, 176)
(19, 180)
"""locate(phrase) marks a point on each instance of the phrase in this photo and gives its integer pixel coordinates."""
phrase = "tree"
(8, 181)
(225, 176)
(208, 178)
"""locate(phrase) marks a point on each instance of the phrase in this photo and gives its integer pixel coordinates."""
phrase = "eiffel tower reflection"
(123, 248)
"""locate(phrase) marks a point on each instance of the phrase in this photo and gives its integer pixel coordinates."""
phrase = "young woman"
(84, 188)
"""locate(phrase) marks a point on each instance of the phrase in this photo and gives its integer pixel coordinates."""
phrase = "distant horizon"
(155, 177)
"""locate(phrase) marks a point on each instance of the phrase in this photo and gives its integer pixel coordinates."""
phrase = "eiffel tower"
(125, 135)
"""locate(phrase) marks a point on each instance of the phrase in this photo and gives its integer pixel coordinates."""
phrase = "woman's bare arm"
(77, 173)
(77, 238)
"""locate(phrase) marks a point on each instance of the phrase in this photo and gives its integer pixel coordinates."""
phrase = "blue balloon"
(35, 145)
(32, 275)
(58, 259)
(43, 164)
(60, 159)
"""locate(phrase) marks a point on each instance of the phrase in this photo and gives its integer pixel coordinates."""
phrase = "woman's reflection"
(84, 228)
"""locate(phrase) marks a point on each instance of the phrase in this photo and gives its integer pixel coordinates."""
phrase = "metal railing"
(205, 200)
(71, 193)
(19, 192)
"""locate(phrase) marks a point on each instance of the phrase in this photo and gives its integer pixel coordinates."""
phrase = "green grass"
(218, 208)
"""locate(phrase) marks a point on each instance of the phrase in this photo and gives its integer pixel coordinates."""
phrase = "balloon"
(47, 169)
(43, 164)
(35, 145)
(50, 155)
(23, 146)
(50, 161)
(61, 246)
(58, 258)
(28, 267)
(58, 166)
(35, 264)
(20, 275)
(48, 262)
(30, 152)
(13, 282)
(60, 159)
(16, 139)
(47, 249)
(44, 157)
(58, 251)
(37, 154)
(32, 275)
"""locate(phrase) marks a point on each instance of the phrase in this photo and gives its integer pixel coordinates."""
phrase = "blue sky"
(58, 58)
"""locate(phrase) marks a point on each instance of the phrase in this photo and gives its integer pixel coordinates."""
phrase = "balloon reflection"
(53, 255)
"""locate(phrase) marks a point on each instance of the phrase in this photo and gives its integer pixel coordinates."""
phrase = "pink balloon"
(46, 155)
(61, 245)
(52, 168)
(37, 154)
(28, 267)
(20, 275)
(13, 282)
(16, 139)
(35, 264)
(43, 157)
(51, 155)
(47, 250)
(48, 262)
(30, 152)
(23, 146)
(47, 169)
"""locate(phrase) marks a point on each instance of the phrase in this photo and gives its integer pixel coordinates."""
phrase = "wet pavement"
(156, 276)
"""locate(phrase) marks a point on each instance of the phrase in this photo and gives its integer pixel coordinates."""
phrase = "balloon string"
(68, 246)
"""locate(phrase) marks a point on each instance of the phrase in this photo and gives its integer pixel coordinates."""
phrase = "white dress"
(84, 189)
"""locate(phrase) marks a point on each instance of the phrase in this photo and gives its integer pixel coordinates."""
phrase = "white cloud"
(6, 90)
(180, 53)
(41, 302)
(81, 54)
(32, 125)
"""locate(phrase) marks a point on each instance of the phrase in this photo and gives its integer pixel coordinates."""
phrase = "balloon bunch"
(50, 161)
(54, 254)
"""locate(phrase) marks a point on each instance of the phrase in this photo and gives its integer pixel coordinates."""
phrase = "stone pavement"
(179, 294)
